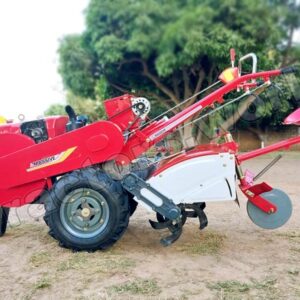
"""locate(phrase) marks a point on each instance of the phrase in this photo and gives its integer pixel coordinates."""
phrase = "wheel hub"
(84, 213)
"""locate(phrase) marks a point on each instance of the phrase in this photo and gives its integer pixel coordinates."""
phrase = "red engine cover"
(119, 111)
(56, 125)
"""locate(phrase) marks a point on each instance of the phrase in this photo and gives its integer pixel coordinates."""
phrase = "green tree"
(168, 50)
(91, 108)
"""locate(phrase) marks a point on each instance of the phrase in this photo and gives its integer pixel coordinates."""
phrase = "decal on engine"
(51, 160)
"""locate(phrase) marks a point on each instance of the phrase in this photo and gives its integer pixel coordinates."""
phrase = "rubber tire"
(113, 193)
(4, 213)
(132, 204)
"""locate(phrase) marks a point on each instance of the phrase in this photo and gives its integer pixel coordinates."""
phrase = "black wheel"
(132, 204)
(4, 213)
(87, 210)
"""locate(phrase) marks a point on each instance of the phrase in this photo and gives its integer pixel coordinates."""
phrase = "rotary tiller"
(90, 177)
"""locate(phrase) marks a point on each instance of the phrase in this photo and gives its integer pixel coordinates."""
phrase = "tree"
(91, 108)
(166, 50)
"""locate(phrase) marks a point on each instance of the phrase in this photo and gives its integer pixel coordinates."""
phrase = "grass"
(43, 283)
(209, 243)
(98, 262)
(230, 286)
(233, 289)
(40, 259)
(293, 272)
(291, 235)
(77, 261)
(139, 286)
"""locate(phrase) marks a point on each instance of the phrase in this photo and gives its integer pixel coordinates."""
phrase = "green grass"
(139, 286)
(233, 289)
(40, 259)
(293, 272)
(209, 243)
(98, 262)
(77, 261)
(42, 283)
(230, 286)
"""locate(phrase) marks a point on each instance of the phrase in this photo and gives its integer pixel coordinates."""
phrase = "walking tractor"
(90, 177)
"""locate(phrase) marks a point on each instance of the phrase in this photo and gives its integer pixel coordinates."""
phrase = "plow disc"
(274, 220)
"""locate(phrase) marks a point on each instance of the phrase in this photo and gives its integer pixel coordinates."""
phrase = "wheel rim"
(84, 213)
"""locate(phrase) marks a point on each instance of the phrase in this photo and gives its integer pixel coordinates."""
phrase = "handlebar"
(289, 70)
(254, 62)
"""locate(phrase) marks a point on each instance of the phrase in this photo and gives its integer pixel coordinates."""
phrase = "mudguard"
(23, 172)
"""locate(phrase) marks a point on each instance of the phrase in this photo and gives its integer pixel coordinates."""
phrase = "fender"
(77, 149)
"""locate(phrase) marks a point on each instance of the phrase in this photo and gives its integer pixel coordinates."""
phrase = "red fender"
(23, 173)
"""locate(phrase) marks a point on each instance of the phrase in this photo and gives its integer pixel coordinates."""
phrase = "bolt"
(224, 165)
(101, 221)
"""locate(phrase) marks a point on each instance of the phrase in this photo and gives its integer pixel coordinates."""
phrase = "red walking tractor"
(90, 177)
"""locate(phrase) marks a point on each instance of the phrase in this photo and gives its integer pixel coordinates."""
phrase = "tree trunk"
(242, 109)
(186, 134)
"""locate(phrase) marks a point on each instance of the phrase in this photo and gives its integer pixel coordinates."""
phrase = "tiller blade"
(195, 210)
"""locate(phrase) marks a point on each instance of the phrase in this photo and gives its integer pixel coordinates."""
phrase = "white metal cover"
(201, 179)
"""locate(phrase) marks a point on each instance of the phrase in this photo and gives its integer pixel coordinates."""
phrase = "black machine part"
(4, 213)
(268, 167)
(37, 130)
(134, 184)
(169, 215)
(194, 210)
(75, 121)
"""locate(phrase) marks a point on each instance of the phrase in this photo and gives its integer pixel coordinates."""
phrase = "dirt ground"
(230, 259)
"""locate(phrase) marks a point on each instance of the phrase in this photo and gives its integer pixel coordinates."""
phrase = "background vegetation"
(170, 50)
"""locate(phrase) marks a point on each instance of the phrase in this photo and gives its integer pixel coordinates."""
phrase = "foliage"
(169, 50)
(93, 109)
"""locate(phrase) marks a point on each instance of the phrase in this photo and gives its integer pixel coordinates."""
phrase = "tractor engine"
(38, 130)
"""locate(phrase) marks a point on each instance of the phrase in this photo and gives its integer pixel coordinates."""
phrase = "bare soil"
(230, 259)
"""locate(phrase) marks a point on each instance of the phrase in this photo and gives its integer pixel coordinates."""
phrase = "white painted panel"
(201, 179)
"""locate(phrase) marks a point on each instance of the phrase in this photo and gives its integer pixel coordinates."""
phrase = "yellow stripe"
(65, 155)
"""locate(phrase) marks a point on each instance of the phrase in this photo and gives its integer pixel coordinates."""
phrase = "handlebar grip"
(288, 70)
(71, 113)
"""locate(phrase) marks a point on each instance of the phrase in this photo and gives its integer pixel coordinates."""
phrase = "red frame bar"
(286, 144)
(141, 141)
(216, 96)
